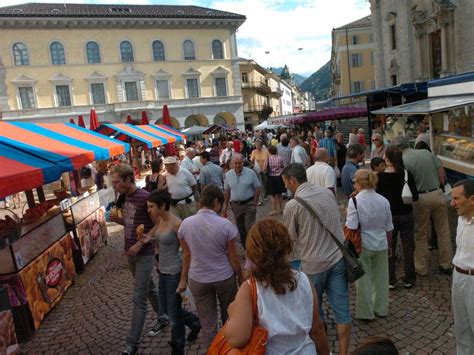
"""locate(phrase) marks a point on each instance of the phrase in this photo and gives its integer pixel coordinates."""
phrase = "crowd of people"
(178, 224)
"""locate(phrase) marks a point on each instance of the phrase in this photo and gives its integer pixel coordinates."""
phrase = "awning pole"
(30, 198)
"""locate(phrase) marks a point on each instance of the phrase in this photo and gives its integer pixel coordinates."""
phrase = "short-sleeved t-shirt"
(207, 235)
(243, 186)
(135, 212)
(424, 167)
(260, 157)
(180, 185)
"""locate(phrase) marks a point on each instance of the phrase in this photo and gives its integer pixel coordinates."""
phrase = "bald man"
(242, 188)
(321, 173)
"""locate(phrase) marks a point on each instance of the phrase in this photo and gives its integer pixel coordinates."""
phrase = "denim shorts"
(334, 282)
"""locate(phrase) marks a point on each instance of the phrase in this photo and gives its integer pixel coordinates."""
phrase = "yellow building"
(59, 60)
(255, 92)
(352, 58)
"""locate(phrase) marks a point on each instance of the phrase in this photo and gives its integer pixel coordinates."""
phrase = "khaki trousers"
(184, 210)
(245, 217)
(431, 204)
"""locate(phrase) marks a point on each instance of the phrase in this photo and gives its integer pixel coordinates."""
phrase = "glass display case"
(456, 152)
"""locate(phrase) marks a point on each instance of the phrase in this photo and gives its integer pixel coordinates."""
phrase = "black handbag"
(353, 265)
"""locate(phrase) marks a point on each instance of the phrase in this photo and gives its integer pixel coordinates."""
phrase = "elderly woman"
(291, 330)
(258, 158)
(371, 211)
(379, 146)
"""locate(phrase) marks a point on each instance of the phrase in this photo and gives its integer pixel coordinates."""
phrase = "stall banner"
(48, 277)
(92, 233)
(8, 342)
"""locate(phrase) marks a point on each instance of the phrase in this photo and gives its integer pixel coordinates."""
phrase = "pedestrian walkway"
(94, 315)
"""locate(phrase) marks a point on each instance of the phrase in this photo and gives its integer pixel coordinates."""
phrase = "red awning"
(334, 113)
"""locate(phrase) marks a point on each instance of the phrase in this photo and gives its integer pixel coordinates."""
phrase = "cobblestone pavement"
(94, 315)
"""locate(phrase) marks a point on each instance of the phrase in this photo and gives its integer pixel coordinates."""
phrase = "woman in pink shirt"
(275, 186)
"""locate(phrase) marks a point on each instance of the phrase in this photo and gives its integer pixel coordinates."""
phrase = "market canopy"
(146, 134)
(333, 113)
(194, 130)
(20, 171)
(265, 125)
(428, 106)
(69, 146)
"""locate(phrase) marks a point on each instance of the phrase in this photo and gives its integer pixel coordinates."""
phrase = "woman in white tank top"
(287, 303)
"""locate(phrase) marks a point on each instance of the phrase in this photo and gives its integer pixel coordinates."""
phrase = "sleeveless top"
(288, 318)
(169, 261)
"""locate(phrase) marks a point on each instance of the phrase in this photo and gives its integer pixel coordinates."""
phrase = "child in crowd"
(377, 164)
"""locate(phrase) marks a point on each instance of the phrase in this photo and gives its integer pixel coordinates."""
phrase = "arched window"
(188, 48)
(126, 52)
(20, 53)
(217, 51)
(57, 53)
(93, 53)
(158, 51)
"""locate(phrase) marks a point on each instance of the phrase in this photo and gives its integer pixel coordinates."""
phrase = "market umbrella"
(129, 119)
(72, 120)
(145, 118)
(81, 122)
(94, 121)
(169, 148)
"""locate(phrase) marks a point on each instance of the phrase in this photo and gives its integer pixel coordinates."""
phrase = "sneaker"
(391, 286)
(192, 336)
(130, 350)
(407, 285)
(160, 325)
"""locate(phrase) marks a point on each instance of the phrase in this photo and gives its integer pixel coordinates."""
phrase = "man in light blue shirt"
(355, 155)
(242, 189)
(211, 174)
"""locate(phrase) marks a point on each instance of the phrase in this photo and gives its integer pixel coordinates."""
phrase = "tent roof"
(20, 171)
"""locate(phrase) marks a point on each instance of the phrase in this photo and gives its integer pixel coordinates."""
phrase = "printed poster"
(8, 342)
(47, 278)
(92, 233)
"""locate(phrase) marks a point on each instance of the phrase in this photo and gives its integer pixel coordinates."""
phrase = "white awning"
(424, 107)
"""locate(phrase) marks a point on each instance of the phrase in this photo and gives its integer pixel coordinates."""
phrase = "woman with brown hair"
(157, 179)
(275, 186)
(291, 330)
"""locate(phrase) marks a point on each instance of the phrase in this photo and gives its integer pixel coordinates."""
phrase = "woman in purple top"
(210, 260)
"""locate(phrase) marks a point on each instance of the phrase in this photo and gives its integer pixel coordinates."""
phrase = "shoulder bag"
(353, 236)
(407, 196)
(353, 266)
(258, 340)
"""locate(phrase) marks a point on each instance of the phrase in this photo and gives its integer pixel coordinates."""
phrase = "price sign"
(65, 204)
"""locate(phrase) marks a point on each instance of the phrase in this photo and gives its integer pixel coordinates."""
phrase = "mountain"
(319, 83)
(298, 77)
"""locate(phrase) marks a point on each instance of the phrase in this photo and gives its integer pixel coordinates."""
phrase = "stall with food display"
(449, 122)
(36, 249)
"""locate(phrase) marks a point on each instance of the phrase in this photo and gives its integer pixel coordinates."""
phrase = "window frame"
(225, 86)
(57, 96)
(92, 92)
(121, 53)
(137, 86)
(198, 88)
(184, 50)
(98, 52)
(59, 56)
(20, 102)
(357, 63)
(153, 50)
(21, 64)
(221, 49)
(393, 36)
(157, 95)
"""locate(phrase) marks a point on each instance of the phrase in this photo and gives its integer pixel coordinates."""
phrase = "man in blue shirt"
(329, 143)
(355, 155)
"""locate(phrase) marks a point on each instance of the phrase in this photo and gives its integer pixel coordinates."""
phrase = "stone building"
(418, 40)
(60, 60)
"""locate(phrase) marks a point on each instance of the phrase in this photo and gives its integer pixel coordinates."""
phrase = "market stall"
(37, 252)
(451, 123)
(8, 341)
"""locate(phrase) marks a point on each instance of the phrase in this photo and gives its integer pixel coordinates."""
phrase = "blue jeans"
(334, 282)
(171, 303)
(144, 287)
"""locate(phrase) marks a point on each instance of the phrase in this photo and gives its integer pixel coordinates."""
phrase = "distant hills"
(319, 83)
(299, 79)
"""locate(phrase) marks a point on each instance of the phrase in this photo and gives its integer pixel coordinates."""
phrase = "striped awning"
(150, 135)
(67, 145)
(20, 171)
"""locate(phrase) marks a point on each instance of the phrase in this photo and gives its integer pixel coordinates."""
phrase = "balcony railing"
(255, 108)
(276, 92)
(259, 85)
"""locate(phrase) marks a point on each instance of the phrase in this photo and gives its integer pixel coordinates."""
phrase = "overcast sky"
(279, 27)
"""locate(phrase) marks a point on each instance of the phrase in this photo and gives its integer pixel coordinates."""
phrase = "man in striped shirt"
(320, 256)
(140, 256)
